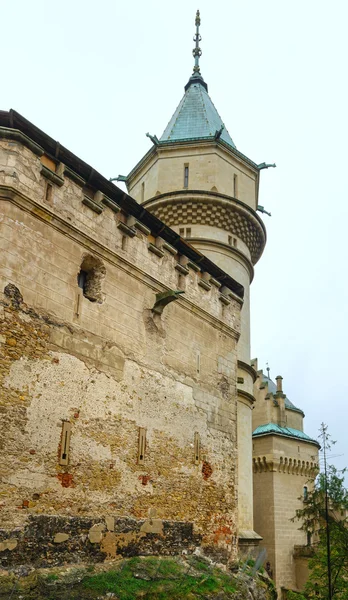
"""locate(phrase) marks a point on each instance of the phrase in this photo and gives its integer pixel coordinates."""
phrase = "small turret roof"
(272, 388)
(270, 428)
(196, 117)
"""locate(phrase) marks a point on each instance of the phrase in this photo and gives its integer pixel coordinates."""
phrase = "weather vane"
(197, 52)
(267, 369)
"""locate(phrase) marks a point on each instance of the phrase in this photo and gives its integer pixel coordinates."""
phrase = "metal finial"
(267, 369)
(197, 52)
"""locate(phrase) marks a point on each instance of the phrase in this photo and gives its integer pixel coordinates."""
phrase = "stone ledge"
(51, 175)
(92, 205)
(155, 250)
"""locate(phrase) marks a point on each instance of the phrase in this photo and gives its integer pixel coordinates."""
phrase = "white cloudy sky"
(98, 75)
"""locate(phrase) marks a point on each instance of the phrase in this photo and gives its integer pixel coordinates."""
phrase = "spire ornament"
(197, 52)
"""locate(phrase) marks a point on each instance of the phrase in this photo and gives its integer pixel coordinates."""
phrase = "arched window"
(305, 493)
(90, 278)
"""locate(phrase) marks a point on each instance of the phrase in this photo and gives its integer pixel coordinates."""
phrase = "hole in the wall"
(90, 278)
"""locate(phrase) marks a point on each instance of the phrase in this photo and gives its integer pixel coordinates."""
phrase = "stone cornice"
(211, 208)
(248, 368)
(53, 220)
(291, 466)
(245, 396)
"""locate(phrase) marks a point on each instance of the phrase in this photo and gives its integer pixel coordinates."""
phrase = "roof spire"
(196, 76)
(197, 52)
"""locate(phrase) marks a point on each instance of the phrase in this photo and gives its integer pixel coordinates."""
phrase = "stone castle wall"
(148, 400)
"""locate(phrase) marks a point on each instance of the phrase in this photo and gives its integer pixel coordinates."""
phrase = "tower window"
(235, 186)
(90, 277)
(182, 232)
(305, 494)
(48, 195)
(186, 175)
(188, 232)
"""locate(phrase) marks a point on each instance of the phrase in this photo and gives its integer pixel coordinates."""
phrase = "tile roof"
(272, 388)
(195, 118)
(269, 428)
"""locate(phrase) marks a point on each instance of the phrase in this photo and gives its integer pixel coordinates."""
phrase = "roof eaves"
(274, 429)
(15, 121)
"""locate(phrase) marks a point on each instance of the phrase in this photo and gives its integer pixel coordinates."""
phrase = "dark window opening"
(305, 493)
(186, 175)
(90, 278)
(82, 279)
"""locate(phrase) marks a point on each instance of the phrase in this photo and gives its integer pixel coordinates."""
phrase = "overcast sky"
(97, 76)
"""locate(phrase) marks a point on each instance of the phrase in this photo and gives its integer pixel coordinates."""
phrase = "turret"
(197, 182)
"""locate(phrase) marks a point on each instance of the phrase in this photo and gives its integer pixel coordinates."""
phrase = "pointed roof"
(272, 388)
(196, 117)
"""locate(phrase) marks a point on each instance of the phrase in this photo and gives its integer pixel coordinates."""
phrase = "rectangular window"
(182, 232)
(197, 448)
(235, 186)
(188, 232)
(230, 240)
(141, 445)
(65, 443)
(186, 175)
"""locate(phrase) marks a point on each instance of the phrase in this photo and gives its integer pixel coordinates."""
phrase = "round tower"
(196, 181)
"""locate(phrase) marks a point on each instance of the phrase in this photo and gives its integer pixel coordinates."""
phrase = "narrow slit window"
(197, 448)
(230, 240)
(82, 279)
(235, 186)
(198, 362)
(48, 194)
(186, 175)
(182, 232)
(141, 445)
(305, 493)
(65, 443)
(188, 232)
(143, 192)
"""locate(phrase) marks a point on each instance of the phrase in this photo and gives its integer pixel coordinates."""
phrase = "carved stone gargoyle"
(165, 298)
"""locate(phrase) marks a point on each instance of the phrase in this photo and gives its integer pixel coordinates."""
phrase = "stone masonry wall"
(113, 371)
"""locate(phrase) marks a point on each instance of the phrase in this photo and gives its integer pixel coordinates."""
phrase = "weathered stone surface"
(78, 539)
(97, 358)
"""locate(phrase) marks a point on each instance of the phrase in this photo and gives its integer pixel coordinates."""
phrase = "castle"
(133, 419)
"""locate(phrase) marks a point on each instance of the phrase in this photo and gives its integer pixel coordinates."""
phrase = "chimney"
(280, 396)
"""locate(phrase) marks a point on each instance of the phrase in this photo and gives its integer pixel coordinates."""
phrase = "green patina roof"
(196, 116)
(272, 388)
(286, 431)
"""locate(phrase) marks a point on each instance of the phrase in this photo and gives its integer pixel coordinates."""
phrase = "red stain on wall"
(144, 479)
(207, 470)
(66, 479)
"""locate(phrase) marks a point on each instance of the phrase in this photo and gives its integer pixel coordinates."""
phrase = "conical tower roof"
(196, 116)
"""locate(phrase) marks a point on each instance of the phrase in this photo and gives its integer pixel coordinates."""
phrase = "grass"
(161, 579)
